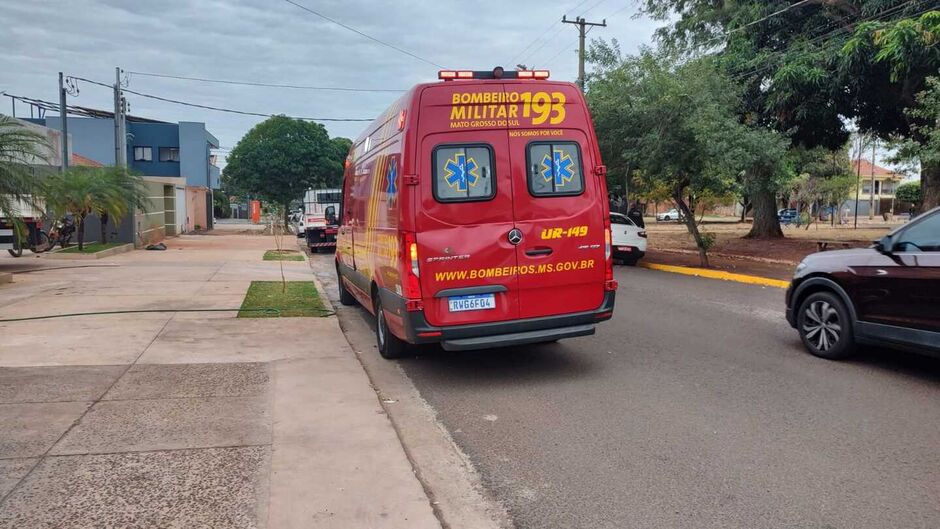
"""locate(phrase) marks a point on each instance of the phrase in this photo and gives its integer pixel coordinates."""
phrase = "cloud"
(274, 42)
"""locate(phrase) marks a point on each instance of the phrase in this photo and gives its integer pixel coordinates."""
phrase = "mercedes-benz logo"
(515, 236)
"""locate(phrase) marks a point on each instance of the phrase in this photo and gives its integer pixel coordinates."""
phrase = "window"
(554, 169)
(616, 218)
(169, 154)
(143, 154)
(463, 173)
(877, 187)
(922, 236)
(326, 197)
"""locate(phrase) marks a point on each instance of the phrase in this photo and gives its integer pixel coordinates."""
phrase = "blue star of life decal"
(558, 167)
(391, 177)
(460, 172)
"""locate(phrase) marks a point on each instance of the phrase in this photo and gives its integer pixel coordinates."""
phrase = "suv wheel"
(825, 326)
(390, 346)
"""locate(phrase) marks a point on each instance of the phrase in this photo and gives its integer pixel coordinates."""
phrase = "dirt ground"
(670, 243)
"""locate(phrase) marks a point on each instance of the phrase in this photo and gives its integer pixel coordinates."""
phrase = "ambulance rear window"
(554, 169)
(463, 173)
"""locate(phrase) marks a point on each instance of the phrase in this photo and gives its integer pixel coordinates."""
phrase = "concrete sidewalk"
(189, 419)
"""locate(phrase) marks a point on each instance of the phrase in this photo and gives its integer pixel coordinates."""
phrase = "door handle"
(538, 251)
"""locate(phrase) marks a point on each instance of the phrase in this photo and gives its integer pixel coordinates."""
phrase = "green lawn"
(299, 298)
(283, 255)
(92, 247)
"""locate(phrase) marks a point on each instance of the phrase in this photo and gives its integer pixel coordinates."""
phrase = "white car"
(297, 224)
(629, 240)
(672, 214)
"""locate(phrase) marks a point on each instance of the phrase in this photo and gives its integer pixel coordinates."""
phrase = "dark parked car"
(788, 215)
(887, 294)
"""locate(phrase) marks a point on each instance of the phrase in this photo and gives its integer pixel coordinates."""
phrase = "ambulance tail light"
(607, 243)
(411, 287)
(610, 284)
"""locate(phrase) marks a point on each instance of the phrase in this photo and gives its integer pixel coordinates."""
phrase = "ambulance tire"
(345, 297)
(389, 345)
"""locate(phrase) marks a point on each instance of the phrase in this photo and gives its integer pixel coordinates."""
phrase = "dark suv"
(887, 294)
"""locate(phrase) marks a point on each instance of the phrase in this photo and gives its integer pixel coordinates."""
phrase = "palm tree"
(109, 192)
(19, 147)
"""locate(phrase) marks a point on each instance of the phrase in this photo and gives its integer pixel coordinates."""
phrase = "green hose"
(266, 310)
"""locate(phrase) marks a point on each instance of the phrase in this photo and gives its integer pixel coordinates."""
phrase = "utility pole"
(871, 196)
(582, 23)
(120, 135)
(858, 176)
(63, 116)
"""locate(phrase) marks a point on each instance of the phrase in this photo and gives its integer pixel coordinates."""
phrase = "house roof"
(78, 159)
(866, 169)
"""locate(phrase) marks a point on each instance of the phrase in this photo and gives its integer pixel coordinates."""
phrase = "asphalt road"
(695, 406)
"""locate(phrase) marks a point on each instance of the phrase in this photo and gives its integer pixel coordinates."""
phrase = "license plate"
(472, 302)
(624, 249)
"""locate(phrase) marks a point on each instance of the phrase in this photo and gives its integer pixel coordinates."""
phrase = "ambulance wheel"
(390, 346)
(344, 296)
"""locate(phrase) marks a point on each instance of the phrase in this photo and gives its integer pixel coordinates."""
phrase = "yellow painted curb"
(717, 274)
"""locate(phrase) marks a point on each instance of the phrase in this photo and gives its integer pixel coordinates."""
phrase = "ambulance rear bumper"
(501, 333)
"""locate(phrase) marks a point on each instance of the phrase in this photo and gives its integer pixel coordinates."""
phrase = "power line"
(536, 39)
(370, 37)
(269, 85)
(207, 107)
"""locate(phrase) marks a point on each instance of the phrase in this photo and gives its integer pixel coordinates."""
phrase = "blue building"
(154, 148)
(175, 160)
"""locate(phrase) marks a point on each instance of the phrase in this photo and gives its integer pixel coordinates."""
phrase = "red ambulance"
(475, 214)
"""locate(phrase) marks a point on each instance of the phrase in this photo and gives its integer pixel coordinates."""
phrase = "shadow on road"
(507, 365)
(926, 368)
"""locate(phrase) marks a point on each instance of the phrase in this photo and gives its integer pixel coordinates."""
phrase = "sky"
(273, 41)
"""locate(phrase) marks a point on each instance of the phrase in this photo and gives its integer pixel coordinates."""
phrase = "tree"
(675, 125)
(280, 158)
(19, 147)
(83, 191)
(908, 50)
(798, 75)
(924, 145)
(909, 192)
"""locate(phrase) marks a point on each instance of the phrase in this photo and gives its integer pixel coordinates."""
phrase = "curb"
(88, 256)
(717, 274)
(730, 256)
(6, 278)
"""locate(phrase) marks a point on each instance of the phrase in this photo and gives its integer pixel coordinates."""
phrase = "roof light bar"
(496, 73)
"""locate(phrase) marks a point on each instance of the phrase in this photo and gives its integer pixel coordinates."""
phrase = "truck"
(321, 207)
(10, 239)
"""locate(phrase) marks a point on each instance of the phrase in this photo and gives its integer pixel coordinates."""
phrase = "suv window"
(923, 236)
(463, 173)
(554, 169)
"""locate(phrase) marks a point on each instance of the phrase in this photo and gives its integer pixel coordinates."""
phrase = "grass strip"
(93, 247)
(283, 255)
(291, 299)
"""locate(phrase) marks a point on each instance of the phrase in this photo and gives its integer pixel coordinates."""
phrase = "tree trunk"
(745, 207)
(930, 186)
(766, 225)
(104, 231)
(689, 217)
(286, 216)
(81, 233)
